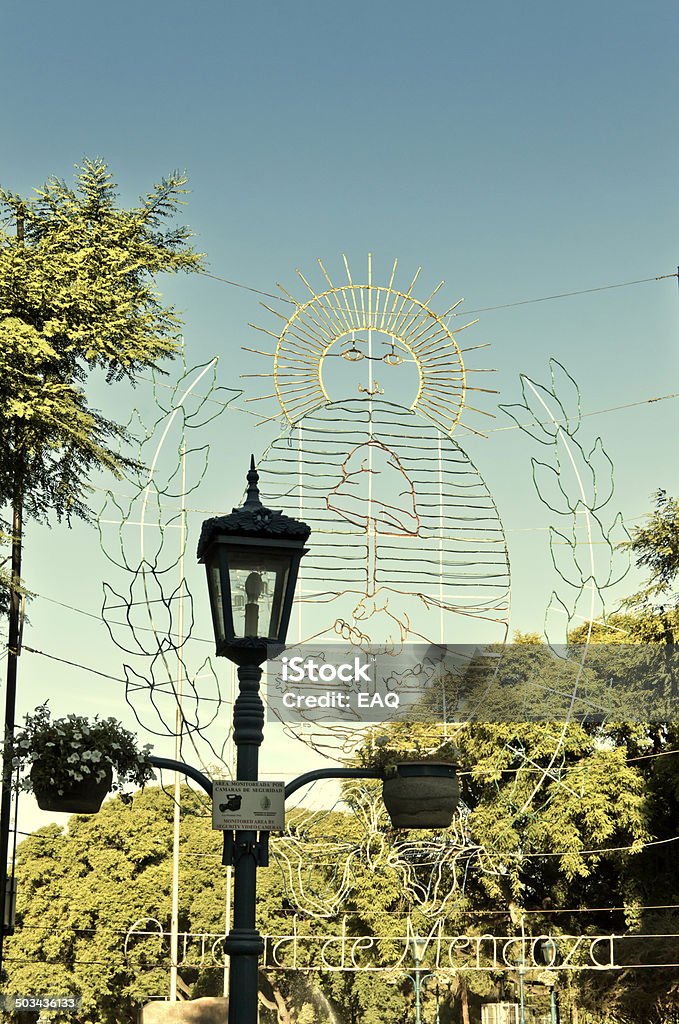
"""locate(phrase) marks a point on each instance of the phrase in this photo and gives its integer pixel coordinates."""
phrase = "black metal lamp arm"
(186, 769)
(331, 773)
(302, 780)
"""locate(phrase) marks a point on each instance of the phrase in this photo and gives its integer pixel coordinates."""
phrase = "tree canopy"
(656, 546)
(77, 293)
(573, 857)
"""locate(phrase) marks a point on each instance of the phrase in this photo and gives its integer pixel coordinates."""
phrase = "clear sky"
(514, 150)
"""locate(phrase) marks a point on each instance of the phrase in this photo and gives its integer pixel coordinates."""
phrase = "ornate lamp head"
(252, 560)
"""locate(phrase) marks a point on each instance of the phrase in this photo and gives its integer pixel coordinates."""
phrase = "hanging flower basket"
(421, 794)
(69, 763)
(76, 797)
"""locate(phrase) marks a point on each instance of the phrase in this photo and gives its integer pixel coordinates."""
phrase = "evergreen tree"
(77, 294)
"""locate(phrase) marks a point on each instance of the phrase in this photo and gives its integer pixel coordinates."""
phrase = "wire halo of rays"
(414, 332)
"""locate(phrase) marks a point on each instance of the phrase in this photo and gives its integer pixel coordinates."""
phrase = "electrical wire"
(74, 664)
(637, 848)
(584, 415)
(116, 622)
(482, 309)
(647, 757)
(246, 287)
(567, 295)
(120, 679)
(97, 672)
(466, 912)
(595, 853)
(291, 912)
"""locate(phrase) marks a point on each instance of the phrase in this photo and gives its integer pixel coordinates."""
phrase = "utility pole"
(179, 728)
(13, 652)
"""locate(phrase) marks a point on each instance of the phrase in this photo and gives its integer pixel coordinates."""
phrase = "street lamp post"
(418, 946)
(553, 1014)
(549, 951)
(252, 559)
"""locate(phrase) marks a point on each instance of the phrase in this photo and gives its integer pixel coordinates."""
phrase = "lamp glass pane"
(258, 582)
(419, 947)
(214, 580)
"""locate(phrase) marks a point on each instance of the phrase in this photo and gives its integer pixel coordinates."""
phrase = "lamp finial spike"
(252, 497)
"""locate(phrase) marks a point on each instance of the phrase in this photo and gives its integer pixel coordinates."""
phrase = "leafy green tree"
(566, 816)
(80, 891)
(77, 294)
(656, 546)
(646, 632)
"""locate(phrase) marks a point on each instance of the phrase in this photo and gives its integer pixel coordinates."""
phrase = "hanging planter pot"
(83, 796)
(78, 756)
(421, 794)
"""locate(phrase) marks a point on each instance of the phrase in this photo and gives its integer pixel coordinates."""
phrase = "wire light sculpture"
(575, 483)
(148, 609)
(408, 544)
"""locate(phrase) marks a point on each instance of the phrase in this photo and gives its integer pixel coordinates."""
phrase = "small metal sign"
(248, 805)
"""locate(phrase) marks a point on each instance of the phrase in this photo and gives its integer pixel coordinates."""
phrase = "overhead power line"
(481, 309)
(246, 287)
(594, 412)
(567, 295)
